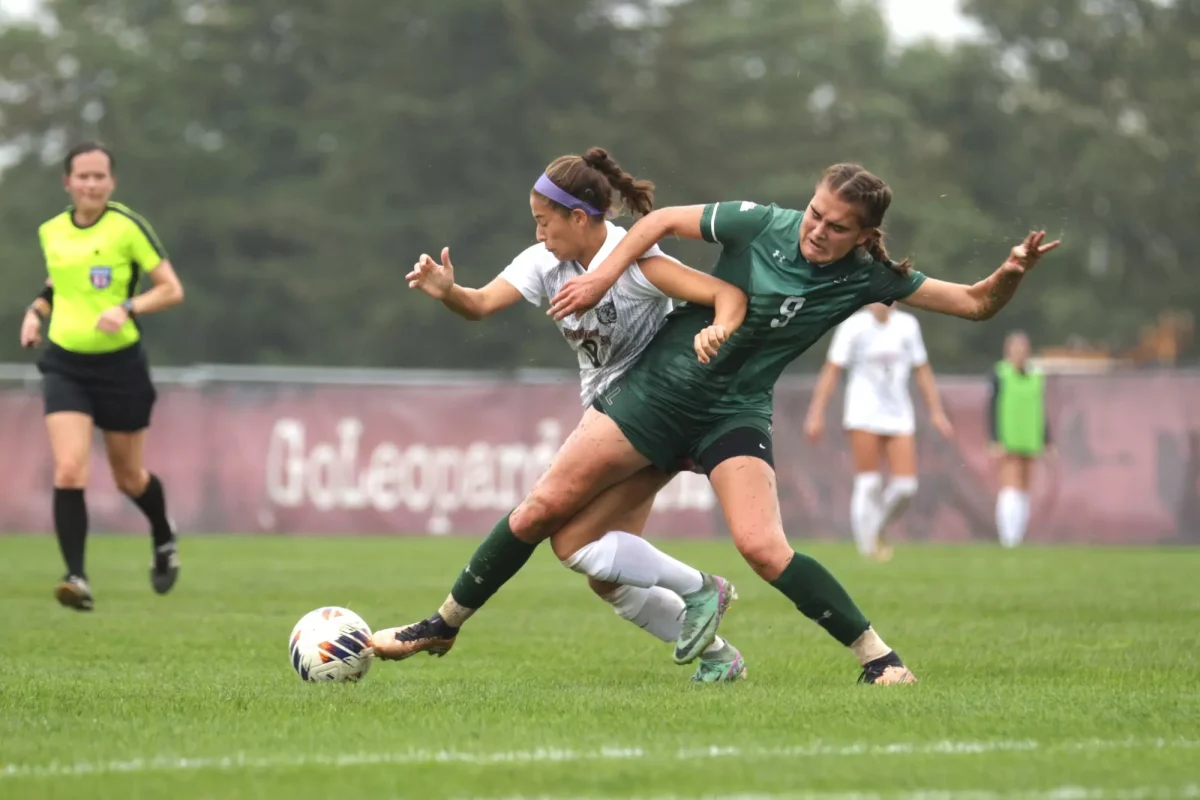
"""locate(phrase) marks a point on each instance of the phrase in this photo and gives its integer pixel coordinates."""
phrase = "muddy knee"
(539, 516)
(767, 555)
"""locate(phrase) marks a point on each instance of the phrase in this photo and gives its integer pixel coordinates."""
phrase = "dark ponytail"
(877, 250)
(594, 176)
(636, 195)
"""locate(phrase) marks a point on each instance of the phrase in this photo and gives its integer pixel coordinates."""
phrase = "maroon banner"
(437, 459)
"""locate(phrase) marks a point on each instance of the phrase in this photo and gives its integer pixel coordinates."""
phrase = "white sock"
(455, 614)
(865, 510)
(896, 497)
(620, 557)
(657, 611)
(1022, 516)
(1012, 515)
(1005, 508)
(869, 646)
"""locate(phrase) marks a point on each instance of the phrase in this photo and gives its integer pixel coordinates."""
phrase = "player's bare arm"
(933, 400)
(982, 300)
(584, 292)
(437, 280)
(814, 422)
(693, 286)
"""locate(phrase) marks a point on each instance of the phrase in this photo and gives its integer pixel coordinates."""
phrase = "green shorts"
(674, 435)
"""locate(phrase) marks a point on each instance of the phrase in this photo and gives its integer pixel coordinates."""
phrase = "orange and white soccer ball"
(331, 644)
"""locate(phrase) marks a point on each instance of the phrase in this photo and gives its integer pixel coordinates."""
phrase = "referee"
(94, 370)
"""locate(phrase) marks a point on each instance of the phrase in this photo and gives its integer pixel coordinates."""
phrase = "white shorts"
(880, 425)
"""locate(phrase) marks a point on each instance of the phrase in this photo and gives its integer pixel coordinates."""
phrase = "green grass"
(1040, 669)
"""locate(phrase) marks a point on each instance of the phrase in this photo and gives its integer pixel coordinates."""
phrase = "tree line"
(296, 156)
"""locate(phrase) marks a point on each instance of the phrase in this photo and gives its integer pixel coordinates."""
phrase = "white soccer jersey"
(608, 338)
(878, 358)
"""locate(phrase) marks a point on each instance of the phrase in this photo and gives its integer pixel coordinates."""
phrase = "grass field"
(1058, 673)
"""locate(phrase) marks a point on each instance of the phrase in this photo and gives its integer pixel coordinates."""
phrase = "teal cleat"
(702, 615)
(724, 666)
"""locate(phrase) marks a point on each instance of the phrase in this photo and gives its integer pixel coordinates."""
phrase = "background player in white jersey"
(570, 203)
(878, 348)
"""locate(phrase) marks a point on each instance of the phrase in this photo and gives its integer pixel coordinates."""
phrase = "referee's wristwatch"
(128, 306)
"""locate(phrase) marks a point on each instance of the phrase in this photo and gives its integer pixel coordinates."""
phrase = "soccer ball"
(331, 644)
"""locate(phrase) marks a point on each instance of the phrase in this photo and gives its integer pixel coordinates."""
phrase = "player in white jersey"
(570, 203)
(879, 348)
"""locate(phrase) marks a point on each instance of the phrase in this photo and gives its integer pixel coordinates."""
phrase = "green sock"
(819, 596)
(499, 557)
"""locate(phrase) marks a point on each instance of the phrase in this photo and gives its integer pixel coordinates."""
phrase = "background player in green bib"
(804, 272)
(1019, 434)
(94, 369)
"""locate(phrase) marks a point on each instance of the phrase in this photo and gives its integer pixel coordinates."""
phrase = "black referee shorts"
(114, 389)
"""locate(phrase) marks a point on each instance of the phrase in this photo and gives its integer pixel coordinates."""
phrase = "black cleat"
(75, 593)
(164, 570)
(886, 670)
(433, 636)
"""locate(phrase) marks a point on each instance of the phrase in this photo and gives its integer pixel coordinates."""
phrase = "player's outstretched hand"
(432, 278)
(31, 330)
(708, 342)
(814, 428)
(1024, 256)
(578, 295)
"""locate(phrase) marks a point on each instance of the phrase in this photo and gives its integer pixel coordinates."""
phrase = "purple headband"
(547, 188)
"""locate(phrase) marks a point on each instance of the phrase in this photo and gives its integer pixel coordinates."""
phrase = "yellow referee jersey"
(95, 268)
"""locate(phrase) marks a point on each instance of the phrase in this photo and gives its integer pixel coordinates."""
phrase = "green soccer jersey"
(792, 303)
(95, 268)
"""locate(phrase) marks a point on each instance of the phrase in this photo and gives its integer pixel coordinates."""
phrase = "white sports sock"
(1022, 516)
(455, 614)
(869, 646)
(657, 611)
(896, 497)
(620, 557)
(1012, 515)
(865, 510)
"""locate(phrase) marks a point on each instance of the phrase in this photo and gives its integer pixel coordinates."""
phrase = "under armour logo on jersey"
(780, 257)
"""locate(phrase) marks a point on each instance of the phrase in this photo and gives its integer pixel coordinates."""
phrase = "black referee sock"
(71, 526)
(153, 504)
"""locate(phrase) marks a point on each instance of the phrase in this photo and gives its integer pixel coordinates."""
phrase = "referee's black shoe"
(164, 570)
